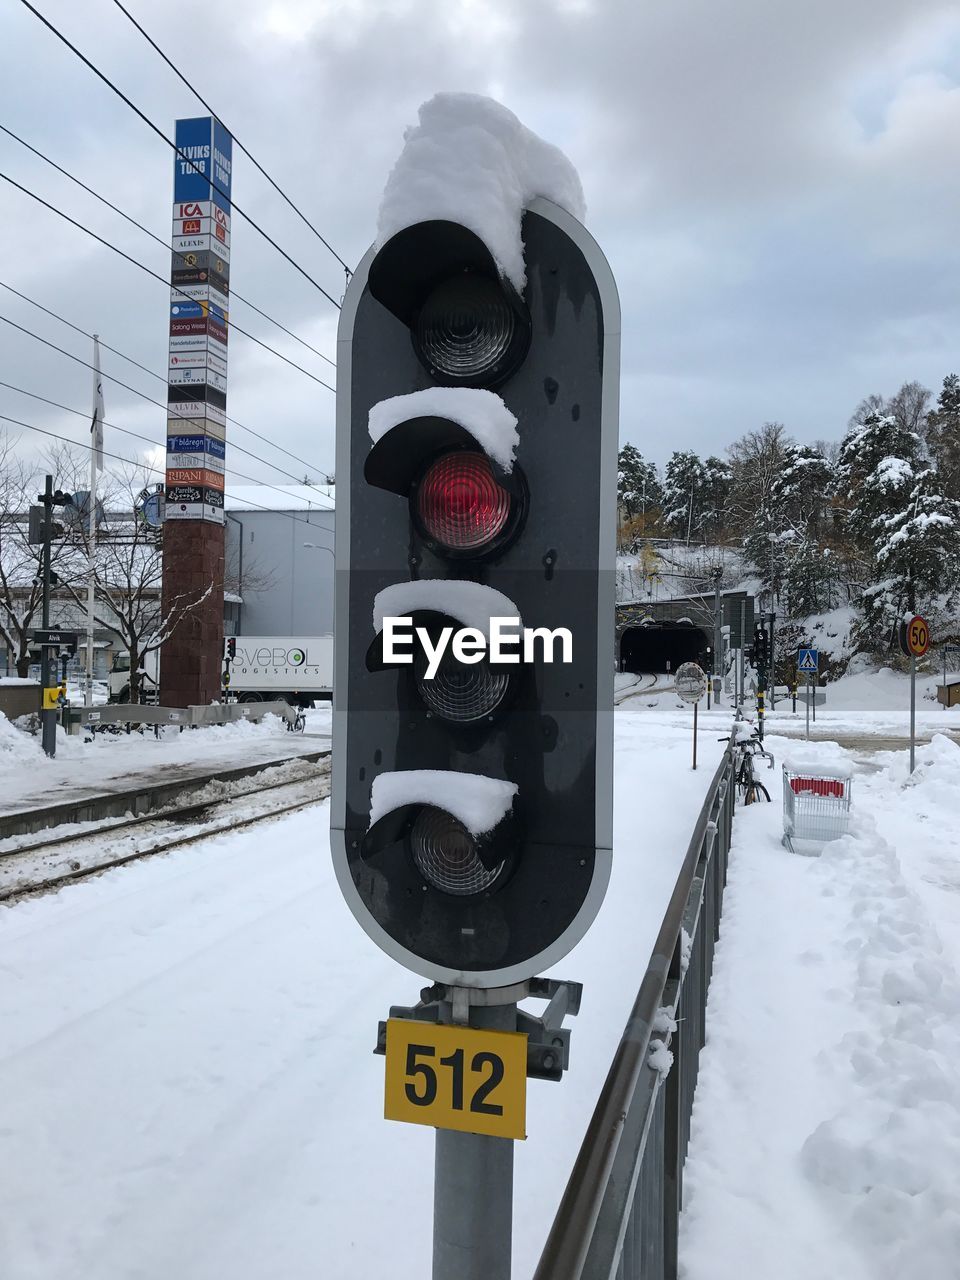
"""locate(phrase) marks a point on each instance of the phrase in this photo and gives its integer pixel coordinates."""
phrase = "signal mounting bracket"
(548, 1042)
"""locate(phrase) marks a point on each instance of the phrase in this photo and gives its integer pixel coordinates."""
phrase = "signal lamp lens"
(445, 854)
(459, 502)
(463, 694)
(467, 332)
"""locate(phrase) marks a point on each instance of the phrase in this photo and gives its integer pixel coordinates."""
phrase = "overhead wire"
(170, 143)
(238, 297)
(253, 160)
(149, 399)
(143, 267)
(80, 413)
(159, 376)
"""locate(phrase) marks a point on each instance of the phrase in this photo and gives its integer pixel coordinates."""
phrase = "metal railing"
(140, 713)
(619, 1215)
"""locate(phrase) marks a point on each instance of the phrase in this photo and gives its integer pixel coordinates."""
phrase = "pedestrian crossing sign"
(809, 660)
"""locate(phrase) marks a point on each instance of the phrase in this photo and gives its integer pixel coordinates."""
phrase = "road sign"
(476, 432)
(808, 661)
(813, 697)
(691, 682)
(914, 636)
(453, 1077)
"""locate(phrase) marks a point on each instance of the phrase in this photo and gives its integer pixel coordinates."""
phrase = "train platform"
(119, 773)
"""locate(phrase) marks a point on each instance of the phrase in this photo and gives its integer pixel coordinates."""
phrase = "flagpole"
(96, 446)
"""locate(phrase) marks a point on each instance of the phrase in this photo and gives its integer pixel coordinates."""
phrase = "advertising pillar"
(193, 535)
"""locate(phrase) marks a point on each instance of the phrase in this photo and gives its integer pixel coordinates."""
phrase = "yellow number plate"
(457, 1078)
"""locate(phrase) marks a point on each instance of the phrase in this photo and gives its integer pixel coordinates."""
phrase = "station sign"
(54, 638)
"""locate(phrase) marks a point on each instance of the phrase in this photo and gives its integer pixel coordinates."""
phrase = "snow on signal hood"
(470, 161)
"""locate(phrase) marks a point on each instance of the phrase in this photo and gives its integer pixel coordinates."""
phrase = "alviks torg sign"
(199, 285)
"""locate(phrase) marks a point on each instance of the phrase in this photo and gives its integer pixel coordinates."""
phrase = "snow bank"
(471, 161)
(470, 603)
(891, 1148)
(478, 802)
(17, 749)
(482, 413)
(817, 760)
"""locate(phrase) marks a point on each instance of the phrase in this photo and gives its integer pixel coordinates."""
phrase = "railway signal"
(476, 438)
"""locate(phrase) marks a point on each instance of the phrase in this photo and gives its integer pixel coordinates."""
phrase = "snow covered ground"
(865, 703)
(187, 1086)
(826, 1131)
(107, 763)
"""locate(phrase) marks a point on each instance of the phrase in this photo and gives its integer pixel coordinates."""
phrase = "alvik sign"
(206, 159)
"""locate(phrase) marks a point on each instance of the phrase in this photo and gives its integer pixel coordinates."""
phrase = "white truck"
(298, 669)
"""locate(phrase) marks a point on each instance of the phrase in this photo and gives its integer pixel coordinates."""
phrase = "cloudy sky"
(775, 184)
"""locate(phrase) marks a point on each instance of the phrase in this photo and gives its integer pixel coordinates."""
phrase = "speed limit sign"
(914, 636)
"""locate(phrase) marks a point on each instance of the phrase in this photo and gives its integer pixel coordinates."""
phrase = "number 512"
(454, 1061)
(455, 1077)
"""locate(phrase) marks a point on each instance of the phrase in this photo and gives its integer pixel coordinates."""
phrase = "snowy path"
(826, 1133)
(187, 1086)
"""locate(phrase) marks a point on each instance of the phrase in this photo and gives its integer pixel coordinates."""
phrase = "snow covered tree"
(878, 467)
(802, 489)
(908, 407)
(809, 578)
(716, 489)
(21, 590)
(766, 548)
(918, 548)
(756, 461)
(943, 436)
(907, 530)
(637, 481)
(684, 494)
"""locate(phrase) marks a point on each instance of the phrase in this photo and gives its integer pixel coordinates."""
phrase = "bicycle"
(299, 722)
(748, 746)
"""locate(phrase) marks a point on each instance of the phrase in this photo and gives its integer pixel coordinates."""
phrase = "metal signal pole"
(48, 717)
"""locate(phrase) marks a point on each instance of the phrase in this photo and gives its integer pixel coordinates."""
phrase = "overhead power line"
(155, 444)
(156, 275)
(31, 426)
(136, 435)
(159, 376)
(253, 160)
(183, 156)
(237, 297)
(143, 396)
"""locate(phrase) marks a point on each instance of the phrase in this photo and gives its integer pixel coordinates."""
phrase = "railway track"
(32, 866)
(646, 684)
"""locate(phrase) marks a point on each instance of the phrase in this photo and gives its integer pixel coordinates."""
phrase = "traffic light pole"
(48, 716)
(473, 1186)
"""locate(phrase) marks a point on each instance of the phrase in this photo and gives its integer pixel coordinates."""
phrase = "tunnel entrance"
(651, 647)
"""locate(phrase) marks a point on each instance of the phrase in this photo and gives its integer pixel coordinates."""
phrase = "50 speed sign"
(914, 636)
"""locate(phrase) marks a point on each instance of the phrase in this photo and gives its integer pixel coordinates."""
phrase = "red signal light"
(460, 504)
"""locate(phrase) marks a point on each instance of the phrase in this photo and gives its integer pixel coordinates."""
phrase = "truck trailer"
(298, 669)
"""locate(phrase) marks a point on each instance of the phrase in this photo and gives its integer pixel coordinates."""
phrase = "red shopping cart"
(816, 806)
